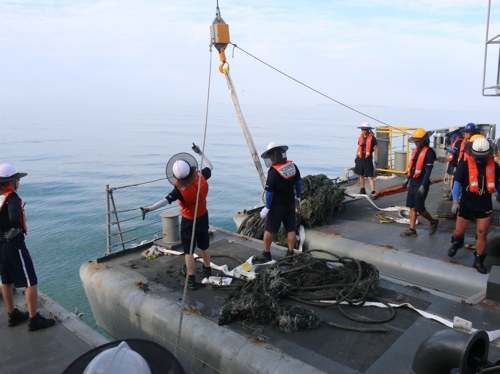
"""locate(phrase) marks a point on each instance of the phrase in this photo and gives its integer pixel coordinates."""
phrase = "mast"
(219, 37)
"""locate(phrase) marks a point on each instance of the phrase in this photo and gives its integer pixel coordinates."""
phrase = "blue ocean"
(71, 151)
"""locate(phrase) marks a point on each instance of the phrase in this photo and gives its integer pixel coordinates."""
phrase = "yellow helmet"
(419, 134)
(474, 137)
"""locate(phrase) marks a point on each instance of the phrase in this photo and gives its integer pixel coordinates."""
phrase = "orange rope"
(398, 189)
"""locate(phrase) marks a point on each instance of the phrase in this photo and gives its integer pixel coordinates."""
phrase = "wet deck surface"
(45, 351)
(327, 349)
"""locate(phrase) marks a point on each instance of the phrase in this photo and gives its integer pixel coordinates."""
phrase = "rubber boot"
(454, 247)
(362, 191)
(478, 263)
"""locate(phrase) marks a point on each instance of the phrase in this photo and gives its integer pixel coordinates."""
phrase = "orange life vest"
(474, 175)
(286, 170)
(420, 162)
(451, 155)
(462, 149)
(3, 199)
(368, 147)
(189, 193)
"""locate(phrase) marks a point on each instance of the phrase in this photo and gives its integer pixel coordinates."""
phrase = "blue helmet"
(470, 127)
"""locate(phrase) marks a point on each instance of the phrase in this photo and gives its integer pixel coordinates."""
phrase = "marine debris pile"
(321, 200)
(308, 280)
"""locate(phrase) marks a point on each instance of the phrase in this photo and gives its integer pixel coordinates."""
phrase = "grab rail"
(121, 230)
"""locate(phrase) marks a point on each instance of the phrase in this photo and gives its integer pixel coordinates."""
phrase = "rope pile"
(308, 280)
(321, 200)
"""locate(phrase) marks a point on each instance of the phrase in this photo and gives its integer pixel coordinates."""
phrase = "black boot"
(264, 257)
(478, 263)
(362, 191)
(454, 247)
(207, 272)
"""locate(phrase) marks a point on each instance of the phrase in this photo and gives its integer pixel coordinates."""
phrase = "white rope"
(386, 177)
(191, 250)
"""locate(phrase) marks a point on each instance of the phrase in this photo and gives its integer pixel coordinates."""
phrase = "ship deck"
(135, 297)
(45, 351)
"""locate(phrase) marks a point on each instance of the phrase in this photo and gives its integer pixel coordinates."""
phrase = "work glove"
(297, 201)
(9, 235)
(405, 183)
(455, 208)
(196, 149)
(442, 146)
(421, 190)
(375, 162)
(263, 212)
(144, 210)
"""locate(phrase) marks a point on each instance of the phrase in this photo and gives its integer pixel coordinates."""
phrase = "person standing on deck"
(16, 266)
(456, 139)
(477, 177)
(418, 177)
(282, 177)
(367, 145)
(182, 173)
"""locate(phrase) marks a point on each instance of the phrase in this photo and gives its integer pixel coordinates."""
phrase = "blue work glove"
(455, 208)
(421, 190)
(405, 183)
(196, 149)
(263, 212)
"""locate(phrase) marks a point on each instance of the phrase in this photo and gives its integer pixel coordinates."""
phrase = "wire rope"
(313, 89)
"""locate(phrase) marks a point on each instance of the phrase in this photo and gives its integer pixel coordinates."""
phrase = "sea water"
(71, 151)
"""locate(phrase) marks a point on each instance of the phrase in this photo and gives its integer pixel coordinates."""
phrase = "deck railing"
(124, 225)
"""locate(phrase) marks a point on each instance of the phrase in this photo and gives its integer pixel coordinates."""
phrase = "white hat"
(453, 129)
(481, 147)
(365, 126)
(181, 169)
(271, 146)
(121, 359)
(9, 172)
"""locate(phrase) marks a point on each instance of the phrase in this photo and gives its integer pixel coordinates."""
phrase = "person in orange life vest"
(477, 177)
(456, 142)
(16, 265)
(182, 173)
(418, 178)
(367, 144)
(282, 177)
(469, 131)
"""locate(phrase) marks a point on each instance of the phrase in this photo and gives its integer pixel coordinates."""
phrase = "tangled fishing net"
(309, 280)
(321, 200)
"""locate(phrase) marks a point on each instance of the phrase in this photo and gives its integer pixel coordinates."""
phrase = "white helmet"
(452, 129)
(365, 126)
(181, 169)
(120, 359)
(481, 147)
(9, 172)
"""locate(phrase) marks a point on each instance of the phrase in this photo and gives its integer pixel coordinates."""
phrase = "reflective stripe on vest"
(286, 170)
(474, 175)
(420, 162)
(189, 194)
(3, 199)
(368, 148)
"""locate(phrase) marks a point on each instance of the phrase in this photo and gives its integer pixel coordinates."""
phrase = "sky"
(396, 53)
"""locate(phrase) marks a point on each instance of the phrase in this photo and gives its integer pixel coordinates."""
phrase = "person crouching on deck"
(477, 177)
(182, 173)
(418, 177)
(282, 177)
(367, 144)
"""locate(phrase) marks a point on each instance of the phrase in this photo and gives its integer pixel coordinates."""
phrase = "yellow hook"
(222, 69)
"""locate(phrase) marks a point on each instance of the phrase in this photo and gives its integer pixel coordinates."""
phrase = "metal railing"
(398, 149)
(121, 224)
(491, 90)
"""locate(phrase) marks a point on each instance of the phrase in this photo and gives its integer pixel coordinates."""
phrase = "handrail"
(393, 132)
(119, 230)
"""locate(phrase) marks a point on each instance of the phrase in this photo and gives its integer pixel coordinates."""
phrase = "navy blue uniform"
(283, 203)
(414, 199)
(16, 265)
